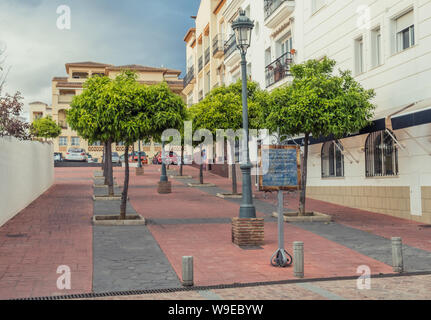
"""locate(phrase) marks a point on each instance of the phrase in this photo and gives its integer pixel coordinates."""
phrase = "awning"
(401, 117)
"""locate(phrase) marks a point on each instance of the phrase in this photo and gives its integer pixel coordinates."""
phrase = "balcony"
(278, 70)
(65, 99)
(218, 46)
(200, 63)
(277, 12)
(190, 76)
(231, 54)
(201, 95)
(207, 55)
(62, 124)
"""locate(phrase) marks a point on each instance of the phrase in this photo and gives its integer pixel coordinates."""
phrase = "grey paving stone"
(129, 258)
(111, 207)
(371, 245)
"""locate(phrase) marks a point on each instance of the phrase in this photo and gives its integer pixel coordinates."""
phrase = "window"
(332, 159)
(405, 31)
(381, 155)
(120, 144)
(96, 144)
(75, 141)
(376, 38)
(359, 55)
(62, 141)
(286, 45)
(316, 5)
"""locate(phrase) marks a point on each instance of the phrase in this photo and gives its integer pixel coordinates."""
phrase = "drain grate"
(16, 235)
(215, 287)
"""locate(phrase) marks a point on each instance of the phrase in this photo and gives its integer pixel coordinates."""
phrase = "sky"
(118, 32)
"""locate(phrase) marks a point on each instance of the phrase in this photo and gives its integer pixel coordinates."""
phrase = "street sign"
(279, 168)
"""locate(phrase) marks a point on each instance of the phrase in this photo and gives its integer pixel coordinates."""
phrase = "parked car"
(171, 158)
(116, 158)
(90, 158)
(58, 156)
(76, 154)
(133, 157)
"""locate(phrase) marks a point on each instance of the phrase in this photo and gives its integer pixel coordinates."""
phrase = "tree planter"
(107, 198)
(139, 171)
(229, 195)
(201, 185)
(98, 174)
(114, 220)
(164, 187)
(180, 177)
(309, 217)
(104, 186)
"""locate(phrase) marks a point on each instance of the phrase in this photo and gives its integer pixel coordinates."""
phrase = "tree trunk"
(201, 173)
(125, 188)
(304, 177)
(234, 183)
(109, 166)
(105, 167)
(182, 160)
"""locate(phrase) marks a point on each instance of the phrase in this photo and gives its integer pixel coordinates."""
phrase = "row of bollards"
(298, 261)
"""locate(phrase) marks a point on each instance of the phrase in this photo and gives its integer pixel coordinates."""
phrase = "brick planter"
(164, 187)
(139, 171)
(248, 232)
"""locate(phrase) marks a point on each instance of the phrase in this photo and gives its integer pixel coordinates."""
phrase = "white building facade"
(386, 167)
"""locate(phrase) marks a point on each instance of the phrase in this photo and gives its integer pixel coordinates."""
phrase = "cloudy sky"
(146, 32)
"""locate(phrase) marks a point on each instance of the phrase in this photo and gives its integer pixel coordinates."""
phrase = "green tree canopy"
(319, 103)
(45, 128)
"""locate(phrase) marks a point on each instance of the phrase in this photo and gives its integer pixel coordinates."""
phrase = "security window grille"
(381, 155)
(332, 160)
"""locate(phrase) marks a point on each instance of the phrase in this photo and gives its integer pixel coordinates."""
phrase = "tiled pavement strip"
(186, 222)
(397, 288)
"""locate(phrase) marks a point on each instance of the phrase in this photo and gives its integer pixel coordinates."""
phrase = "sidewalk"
(56, 230)
(52, 231)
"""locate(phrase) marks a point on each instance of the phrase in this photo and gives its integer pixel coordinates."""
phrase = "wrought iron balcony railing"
(270, 6)
(218, 44)
(189, 76)
(230, 46)
(279, 69)
(207, 55)
(200, 63)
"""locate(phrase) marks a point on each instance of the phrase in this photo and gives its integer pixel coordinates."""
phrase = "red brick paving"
(376, 223)
(217, 260)
(57, 231)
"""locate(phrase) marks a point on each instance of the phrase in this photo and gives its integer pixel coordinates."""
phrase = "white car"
(75, 154)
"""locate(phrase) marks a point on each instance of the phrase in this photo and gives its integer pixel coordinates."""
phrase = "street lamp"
(242, 27)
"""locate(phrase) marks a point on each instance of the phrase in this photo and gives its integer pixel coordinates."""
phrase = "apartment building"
(387, 45)
(39, 110)
(65, 88)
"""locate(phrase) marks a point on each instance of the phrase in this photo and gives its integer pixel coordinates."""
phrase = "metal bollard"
(298, 259)
(187, 271)
(397, 255)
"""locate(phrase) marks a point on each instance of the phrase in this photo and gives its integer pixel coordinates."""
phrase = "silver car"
(116, 158)
(76, 154)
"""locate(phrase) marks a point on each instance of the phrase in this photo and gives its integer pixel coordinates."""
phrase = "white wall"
(26, 171)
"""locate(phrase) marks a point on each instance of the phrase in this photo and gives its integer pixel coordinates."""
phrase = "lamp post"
(242, 27)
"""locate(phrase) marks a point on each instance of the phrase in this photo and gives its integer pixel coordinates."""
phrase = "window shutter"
(405, 21)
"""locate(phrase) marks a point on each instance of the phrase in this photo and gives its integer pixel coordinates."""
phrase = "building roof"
(138, 67)
(86, 64)
(189, 34)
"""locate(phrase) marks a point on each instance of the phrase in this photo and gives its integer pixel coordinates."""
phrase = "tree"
(319, 104)
(222, 109)
(93, 118)
(10, 123)
(45, 128)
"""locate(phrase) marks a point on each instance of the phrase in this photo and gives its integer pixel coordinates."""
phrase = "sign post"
(280, 167)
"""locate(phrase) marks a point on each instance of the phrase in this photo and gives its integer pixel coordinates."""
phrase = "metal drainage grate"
(215, 287)
(17, 235)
